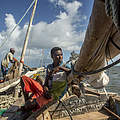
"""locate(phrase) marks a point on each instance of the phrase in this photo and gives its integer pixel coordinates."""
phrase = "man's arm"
(48, 75)
(64, 69)
(56, 69)
(11, 58)
(15, 59)
(46, 81)
(46, 84)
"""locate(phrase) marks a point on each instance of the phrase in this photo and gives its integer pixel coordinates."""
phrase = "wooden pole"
(26, 39)
(115, 115)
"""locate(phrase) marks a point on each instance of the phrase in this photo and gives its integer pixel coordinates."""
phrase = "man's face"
(13, 52)
(58, 57)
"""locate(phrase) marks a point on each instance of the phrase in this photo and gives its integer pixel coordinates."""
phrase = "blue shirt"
(50, 68)
(57, 88)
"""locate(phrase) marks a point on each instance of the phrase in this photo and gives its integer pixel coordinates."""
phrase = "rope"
(17, 24)
(106, 93)
(114, 44)
(60, 102)
(101, 69)
(108, 53)
(55, 109)
(104, 68)
(96, 71)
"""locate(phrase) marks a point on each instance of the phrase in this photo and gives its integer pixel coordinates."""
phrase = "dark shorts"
(4, 70)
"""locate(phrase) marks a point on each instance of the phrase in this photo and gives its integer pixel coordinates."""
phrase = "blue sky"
(60, 23)
(46, 11)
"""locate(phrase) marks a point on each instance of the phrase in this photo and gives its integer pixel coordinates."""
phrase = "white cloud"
(61, 32)
(10, 22)
(62, 15)
(72, 8)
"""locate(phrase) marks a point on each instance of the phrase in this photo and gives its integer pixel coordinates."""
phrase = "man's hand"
(56, 69)
(64, 69)
(45, 89)
(15, 59)
(47, 93)
(53, 71)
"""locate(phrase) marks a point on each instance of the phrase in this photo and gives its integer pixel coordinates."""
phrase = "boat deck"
(42, 114)
(88, 116)
(13, 109)
(101, 115)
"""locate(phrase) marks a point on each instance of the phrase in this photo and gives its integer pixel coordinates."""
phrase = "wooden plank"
(88, 116)
(12, 110)
(44, 116)
(13, 82)
(117, 98)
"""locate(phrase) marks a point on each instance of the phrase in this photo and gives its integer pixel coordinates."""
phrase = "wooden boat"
(96, 50)
(10, 89)
(91, 105)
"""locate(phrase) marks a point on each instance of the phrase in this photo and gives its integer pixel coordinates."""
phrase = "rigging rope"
(17, 24)
(114, 44)
(60, 102)
(100, 70)
(109, 54)
(104, 68)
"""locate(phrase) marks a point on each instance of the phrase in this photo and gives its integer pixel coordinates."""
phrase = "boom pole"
(26, 39)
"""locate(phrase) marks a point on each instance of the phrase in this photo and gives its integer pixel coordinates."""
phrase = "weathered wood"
(13, 82)
(88, 116)
(8, 84)
(117, 98)
(12, 111)
(45, 116)
(116, 104)
(108, 110)
(73, 103)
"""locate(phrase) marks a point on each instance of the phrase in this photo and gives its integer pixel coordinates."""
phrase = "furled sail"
(97, 47)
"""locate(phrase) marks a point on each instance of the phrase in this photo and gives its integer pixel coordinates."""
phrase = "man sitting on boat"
(53, 88)
(5, 62)
(56, 86)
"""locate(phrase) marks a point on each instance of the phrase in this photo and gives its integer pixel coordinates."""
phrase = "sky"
(61, 23)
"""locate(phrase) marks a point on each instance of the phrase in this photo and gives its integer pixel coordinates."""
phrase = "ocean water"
(114, 83)
(114, 75)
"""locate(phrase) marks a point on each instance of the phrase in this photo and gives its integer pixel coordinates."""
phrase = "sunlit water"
(114, 75)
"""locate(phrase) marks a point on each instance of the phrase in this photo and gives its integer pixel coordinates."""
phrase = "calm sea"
(114, 75)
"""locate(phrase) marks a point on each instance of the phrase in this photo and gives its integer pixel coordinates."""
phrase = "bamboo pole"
(26, 38)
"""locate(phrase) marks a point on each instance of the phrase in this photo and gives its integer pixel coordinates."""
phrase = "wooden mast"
(26, 38)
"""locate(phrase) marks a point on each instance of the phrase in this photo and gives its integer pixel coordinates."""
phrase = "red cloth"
(32, 86)
(37, 90)
(43, 101)
(15, 59)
